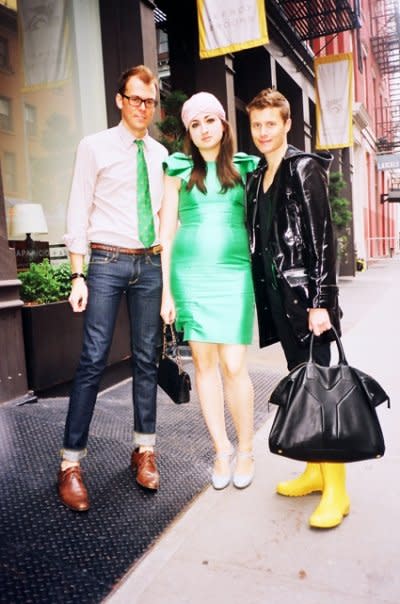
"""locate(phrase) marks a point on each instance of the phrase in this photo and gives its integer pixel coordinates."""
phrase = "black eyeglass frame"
(148, 103)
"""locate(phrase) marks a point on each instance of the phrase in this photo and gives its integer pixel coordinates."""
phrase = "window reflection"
(48, 68)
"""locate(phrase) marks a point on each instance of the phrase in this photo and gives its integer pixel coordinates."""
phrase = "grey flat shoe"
(241, 481)
(221, 481)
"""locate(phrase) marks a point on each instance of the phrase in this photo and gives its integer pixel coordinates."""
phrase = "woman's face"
(206, 131)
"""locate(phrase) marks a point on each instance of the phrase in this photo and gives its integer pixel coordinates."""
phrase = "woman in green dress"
(208, 289)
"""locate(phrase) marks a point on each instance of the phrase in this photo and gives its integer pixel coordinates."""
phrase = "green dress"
(211, 280)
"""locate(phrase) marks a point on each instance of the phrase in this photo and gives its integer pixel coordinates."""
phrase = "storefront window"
(51, 94)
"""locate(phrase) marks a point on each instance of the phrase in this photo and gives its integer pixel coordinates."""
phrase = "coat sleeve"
(318, 234)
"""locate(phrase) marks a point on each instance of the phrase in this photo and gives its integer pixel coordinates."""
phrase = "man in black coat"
(293, 254)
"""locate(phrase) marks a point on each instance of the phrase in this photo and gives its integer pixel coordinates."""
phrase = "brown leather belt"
(155, 249)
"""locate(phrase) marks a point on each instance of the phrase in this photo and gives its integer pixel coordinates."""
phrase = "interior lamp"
(27, 218)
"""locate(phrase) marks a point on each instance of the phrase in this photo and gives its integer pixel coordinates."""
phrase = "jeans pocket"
(154, 259)
(102, 257)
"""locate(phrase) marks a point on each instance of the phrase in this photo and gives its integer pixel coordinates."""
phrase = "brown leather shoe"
(146, 469)
(71, 489)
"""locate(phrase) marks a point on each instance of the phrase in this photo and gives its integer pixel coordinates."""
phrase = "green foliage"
(171, 126)
(341, 214)
(172, 103)
(62, 274)
(45, 282)
(167, 125)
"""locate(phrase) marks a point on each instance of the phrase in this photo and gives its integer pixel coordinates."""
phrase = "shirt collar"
(128, 138)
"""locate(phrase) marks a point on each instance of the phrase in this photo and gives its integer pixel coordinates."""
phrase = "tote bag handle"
(342, 356)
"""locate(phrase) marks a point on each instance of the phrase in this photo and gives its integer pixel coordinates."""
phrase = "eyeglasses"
(136, 101)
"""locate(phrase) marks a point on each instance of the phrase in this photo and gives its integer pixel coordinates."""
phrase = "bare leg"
(240, 399)
(210, 391)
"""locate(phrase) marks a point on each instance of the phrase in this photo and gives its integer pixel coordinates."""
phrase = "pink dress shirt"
(102, 203)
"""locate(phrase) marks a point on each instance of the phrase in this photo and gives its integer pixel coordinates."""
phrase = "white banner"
(45, 38)
(334, 88)
(224, 29)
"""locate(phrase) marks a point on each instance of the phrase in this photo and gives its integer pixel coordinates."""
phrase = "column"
(13, 382)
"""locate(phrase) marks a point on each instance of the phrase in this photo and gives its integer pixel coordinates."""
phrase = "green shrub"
(45, 282)
(62, 274)
(340, 206)
(171, 126)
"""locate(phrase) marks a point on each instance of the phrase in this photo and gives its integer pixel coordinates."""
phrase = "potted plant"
(44, 282)
(52, 331)
(341, 216)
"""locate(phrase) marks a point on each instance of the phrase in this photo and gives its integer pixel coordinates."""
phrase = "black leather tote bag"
(327, 413)
(172, 378)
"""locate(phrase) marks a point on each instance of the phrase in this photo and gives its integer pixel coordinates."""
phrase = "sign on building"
(390, 161)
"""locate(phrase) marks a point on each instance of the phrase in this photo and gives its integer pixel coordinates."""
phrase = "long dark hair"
(227, 174)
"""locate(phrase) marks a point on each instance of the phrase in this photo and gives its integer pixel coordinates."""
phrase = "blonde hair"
(140, 71)
(270, 97)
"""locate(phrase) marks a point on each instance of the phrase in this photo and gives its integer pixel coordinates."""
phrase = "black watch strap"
(77, 275)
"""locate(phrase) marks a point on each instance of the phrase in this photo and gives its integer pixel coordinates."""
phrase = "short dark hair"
(140, 71)
(270, 97)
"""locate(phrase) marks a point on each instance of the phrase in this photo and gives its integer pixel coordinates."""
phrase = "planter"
(53, 338)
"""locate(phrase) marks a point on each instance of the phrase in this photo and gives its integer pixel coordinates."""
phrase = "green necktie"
(144, 209)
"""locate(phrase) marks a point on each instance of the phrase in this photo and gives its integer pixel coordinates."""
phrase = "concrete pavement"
(254, 546)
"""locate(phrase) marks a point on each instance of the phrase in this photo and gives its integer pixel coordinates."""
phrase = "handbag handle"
(175, 346)
(342, 356)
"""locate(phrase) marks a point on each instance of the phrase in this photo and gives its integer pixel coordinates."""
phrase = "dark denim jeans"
(109, 275)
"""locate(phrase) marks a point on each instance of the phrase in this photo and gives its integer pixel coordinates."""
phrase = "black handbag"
(172, 378)
(327, 413)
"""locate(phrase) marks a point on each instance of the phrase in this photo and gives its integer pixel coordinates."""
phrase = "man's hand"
(318, 320)
(79, 295)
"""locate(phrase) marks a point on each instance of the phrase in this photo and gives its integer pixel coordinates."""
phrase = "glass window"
(30, 120)
(53, 97)
(5, 114)
(4, 56)
(163, 43)
(10, 171)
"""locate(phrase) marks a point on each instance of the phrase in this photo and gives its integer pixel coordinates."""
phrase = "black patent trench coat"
(301, 242)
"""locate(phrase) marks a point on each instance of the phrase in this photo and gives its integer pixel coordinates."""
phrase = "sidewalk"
(255, 547)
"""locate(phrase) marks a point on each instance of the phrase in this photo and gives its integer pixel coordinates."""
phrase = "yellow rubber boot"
(335, 503)
(308, 482)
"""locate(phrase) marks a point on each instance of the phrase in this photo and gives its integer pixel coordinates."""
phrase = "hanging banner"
(334, 92)
(45, 46)
(223, 30)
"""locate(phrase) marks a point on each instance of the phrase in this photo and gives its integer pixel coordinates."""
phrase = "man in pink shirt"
(102, 217)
